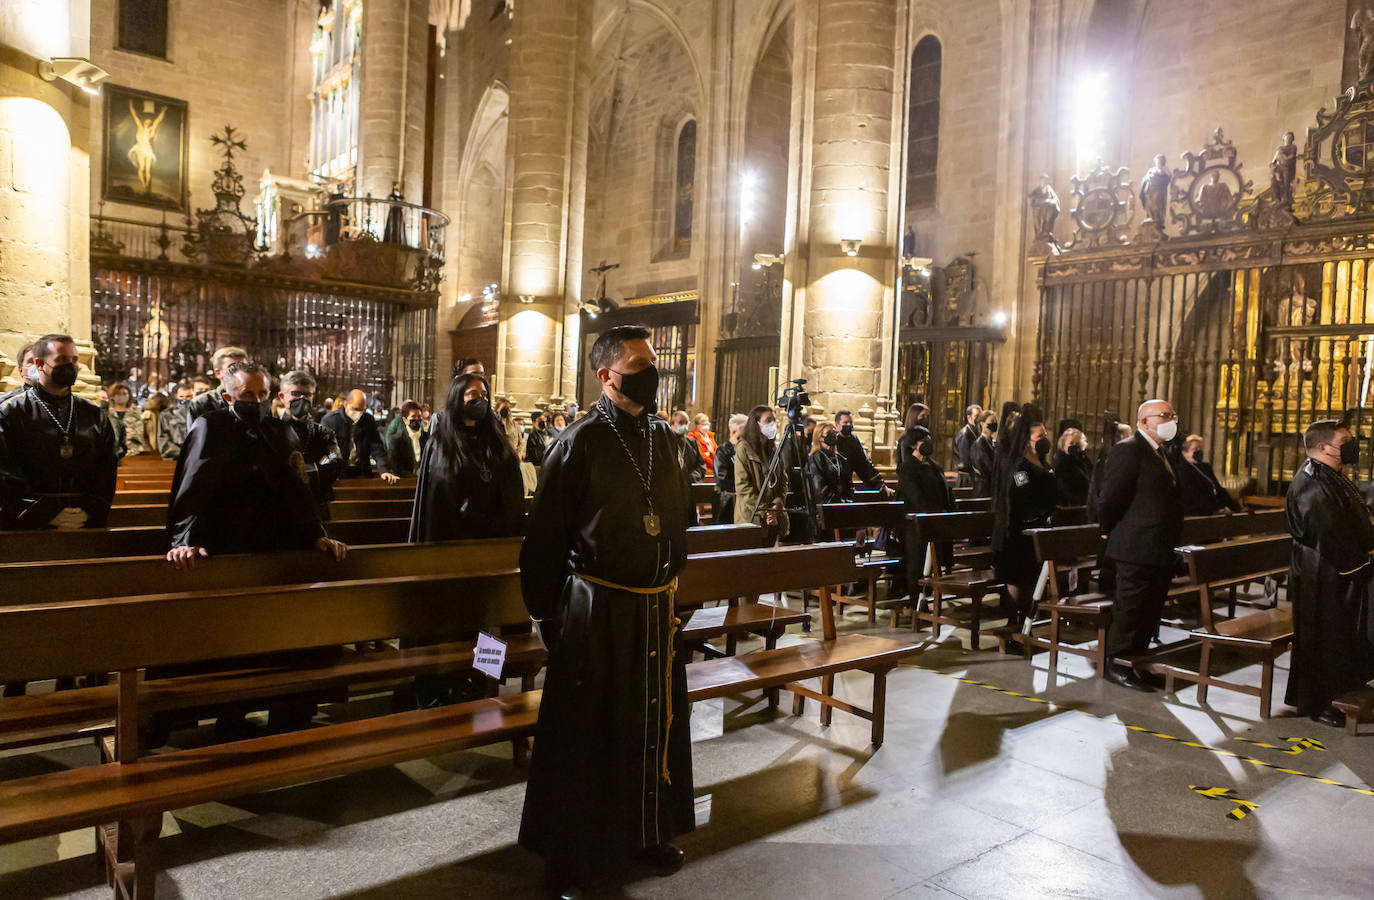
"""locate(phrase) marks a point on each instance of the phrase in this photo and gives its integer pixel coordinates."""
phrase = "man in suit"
(1140, 513)
(360, 444)
(408, 443)
(964, 439)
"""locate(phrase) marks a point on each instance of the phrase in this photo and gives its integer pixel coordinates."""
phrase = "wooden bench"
(1068, 559)
(347, 491)
(947, 581)
(720, 576)
(703, 498)
(1264, 634)
(1358, 706)
(843, 520)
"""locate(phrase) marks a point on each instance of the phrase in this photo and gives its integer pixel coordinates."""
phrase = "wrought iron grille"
(1251, 341)
(170, 320)
(742, 366)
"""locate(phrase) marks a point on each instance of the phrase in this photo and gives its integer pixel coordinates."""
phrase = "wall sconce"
(999, 318)
(525, 298)
(766, 260)
(74, 70)
(850, 246)
(491, 295)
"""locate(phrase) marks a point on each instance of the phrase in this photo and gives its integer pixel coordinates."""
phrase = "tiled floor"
(975, 794)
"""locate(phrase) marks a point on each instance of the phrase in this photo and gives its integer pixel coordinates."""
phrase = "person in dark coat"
(691, 453)
(1025, 498)
(832, 481)
(723, 505)
(611, 774)
(922, 488)
(537, 442)
(213, 398)
(57, 451)
(406, 447)
(470, 485)
(852, 449)
(917, 416)
(1198, 486)
(319, 449)
(983, 455)
(965, 438)
(240, 485)
(1140, 512)
(1329, 576)
(360, 443)
(1073, 468)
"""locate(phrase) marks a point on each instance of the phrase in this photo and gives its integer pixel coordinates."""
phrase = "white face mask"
(681, 429)
(31, 374)
(769, 429)
(1167, 430)
(353, 414)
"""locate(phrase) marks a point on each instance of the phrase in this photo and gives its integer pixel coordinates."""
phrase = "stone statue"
(1044, 204)
(1363, 22)
(1214, 199)
(1154, 192)
(1283, 173)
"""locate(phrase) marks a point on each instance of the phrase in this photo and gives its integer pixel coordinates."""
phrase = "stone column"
(44, 179)
(391, 105)
(851, 175)
(547, 146)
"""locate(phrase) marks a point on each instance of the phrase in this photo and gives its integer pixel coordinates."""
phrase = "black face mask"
(641, 388)
(300, 407)
(413, 424)
(926, 448)
(1042, 446)
(505, 412)
(1075, 450)
(830, 439)
(992, 427)
(1197, 457)
(63, 375)
(1350, 452)
(476, 410)
(248, 411)
(846, 430)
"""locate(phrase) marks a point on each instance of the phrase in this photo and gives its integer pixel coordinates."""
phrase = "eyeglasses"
(1168, 417)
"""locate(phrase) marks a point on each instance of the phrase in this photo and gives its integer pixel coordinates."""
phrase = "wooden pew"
(852, 522)
(948, 581)
(151, 540)
(404, 490)
(1265, 634)
(703, 496)
(1068, 558)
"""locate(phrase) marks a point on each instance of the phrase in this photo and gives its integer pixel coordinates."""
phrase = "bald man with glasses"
(1141, 515)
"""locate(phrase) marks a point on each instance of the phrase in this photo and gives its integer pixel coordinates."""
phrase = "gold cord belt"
(671, 590)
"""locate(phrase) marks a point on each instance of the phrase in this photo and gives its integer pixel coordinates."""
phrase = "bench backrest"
(954, 526)
(703, 492)
(1237, 559)
(346, 491)
(725, 538)
(853, 516)
(973, 504)
(1063, 543)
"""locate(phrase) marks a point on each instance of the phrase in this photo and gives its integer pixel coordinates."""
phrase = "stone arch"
(482, 176)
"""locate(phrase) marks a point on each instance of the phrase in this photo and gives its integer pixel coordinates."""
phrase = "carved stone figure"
(1214, 200)
(1044, 204)
(1154, 192)
(1363, 22)
(1283, 173)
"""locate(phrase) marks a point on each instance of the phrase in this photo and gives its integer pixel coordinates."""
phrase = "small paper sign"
(490, 655)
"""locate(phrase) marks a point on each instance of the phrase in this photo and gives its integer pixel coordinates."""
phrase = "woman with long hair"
(1024, 498)
(830, 474)
(470, 485)
(753, 488)
(983, 455)
(917, 416)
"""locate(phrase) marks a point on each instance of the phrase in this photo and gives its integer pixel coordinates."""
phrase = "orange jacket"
(706, 443)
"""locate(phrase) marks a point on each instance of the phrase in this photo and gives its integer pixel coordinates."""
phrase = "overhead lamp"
(766, 260)
(74, 70)
(850, 246)
(491, 294)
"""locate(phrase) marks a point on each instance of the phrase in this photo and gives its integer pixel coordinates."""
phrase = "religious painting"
(146, 145)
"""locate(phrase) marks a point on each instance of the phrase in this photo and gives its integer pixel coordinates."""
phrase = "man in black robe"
(57, 451)
(213, 398)
(1329, 578)
(852, 449)
(239, 486)
(611, 775)
(319, 447)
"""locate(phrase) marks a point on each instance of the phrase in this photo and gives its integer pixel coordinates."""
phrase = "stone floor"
(976, 793)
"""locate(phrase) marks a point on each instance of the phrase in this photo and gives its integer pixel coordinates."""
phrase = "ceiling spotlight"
(74, 70)
(850, 246)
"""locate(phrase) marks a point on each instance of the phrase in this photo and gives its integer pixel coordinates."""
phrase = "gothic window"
(143, 27)
(685, 184)
(334, 97)
(923, 123)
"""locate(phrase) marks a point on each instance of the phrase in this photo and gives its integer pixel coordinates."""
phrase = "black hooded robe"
(1329, 583)
(611, 771)
(453, 503)
(36, 482)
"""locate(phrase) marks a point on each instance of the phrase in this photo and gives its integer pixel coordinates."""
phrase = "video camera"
(794, 402)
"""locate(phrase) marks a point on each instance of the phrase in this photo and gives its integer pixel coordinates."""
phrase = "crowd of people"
(256, 464)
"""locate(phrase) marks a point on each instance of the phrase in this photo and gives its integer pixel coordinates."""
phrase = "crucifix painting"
(145, 149)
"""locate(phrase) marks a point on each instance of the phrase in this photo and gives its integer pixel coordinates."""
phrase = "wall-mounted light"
(999, 318)
(850, 246)
(748, 197)
(766, 260)
(74, 70)
(589, 309)
(525, 298)
(491, 294)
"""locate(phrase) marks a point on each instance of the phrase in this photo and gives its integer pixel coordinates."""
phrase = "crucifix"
(601, 271)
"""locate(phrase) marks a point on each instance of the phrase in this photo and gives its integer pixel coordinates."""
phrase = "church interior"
(902, 232)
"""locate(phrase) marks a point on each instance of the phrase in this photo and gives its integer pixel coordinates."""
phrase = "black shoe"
(1330, 716)
(1150, 679)
(1126, 678)
(664, 858)
(560, 886)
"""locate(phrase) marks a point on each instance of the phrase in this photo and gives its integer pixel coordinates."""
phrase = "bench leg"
(872, 595)
(1266, 684)
(879, 705)
(827, 688)
(136, 867)
(1101, 657)
(935, 614)
(1352, 724)
(1204, 669)
(1054, 640)
(975, 641)
(798, 704)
